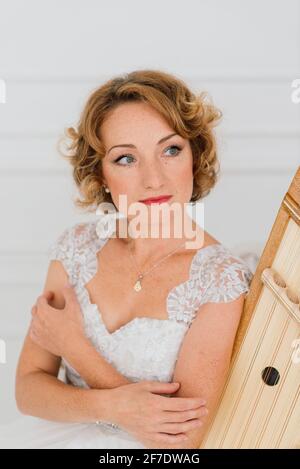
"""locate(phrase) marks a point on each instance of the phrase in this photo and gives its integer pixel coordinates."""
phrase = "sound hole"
(270, 376)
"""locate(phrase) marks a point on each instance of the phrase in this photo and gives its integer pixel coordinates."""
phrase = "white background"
(54, 53)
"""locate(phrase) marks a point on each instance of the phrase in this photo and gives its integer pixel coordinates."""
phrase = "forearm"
(43, 395)
(93, 368)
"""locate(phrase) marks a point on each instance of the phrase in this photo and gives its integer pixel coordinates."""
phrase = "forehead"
(133, 119)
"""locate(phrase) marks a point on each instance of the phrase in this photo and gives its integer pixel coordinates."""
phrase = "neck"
(150, 249)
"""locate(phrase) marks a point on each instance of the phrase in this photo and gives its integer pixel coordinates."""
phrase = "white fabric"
(143, 349)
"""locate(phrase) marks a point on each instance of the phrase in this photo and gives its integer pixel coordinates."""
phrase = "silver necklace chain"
(138, 286)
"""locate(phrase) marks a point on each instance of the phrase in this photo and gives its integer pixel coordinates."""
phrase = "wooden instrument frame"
(289, 209)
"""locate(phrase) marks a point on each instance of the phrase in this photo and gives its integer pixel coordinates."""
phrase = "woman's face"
(143, 167)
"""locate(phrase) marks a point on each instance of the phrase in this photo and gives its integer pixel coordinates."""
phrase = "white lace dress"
(143, 349)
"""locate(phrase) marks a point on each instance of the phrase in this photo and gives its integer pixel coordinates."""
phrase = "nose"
(153, 175)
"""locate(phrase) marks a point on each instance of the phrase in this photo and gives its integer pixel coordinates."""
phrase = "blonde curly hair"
(192, 116)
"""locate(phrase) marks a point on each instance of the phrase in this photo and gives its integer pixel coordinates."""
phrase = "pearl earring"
(107, 189)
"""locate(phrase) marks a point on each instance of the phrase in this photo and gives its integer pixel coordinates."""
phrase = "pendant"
(138, 286)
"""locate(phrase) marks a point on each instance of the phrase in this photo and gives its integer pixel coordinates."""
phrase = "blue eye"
(178, 149)
(120, 158)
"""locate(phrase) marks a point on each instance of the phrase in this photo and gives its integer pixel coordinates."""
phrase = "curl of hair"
(191, 115)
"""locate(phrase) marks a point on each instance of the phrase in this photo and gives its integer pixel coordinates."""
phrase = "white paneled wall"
(54, 53)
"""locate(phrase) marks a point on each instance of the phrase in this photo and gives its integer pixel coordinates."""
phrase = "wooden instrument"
(260, 403)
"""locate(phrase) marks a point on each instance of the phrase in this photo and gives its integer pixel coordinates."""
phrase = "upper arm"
(205, 354)
(33, 357)
(204, 358)
(60, 254)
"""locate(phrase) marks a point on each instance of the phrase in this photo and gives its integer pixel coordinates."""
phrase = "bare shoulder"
(62, 253)
(209, 239)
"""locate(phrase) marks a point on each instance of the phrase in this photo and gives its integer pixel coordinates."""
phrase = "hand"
(56, 330)
(155, 420)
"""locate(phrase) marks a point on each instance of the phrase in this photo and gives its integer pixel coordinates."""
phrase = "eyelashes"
(116, 161)
(120, 158)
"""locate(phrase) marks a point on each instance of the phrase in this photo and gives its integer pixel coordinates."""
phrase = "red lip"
(162, 198)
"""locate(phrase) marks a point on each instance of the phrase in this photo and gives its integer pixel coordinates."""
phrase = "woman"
(142, 313)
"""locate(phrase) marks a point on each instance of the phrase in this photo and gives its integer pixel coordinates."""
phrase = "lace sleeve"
(229, 278)
(62, 249)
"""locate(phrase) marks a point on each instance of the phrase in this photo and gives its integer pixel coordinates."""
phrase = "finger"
(34, 325)
(180, 403)
(42, 302)
(70, 297)
(169, 439)
(184, 416)
(161, 387)
(48, 295)
(183, 427)
(35, 338)
(34, 310)
(32, 334)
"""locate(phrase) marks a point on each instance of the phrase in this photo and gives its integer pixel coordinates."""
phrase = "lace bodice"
(147, 348)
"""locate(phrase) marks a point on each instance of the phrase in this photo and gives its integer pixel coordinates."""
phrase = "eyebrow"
(130, 145)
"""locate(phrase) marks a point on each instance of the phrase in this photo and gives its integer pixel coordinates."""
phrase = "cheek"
(186, 174)
(183, 180)
(182, 166)
(183, 175)
(118, 180)
(125, 184)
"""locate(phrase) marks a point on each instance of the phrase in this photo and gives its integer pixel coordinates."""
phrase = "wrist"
(104, 405)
